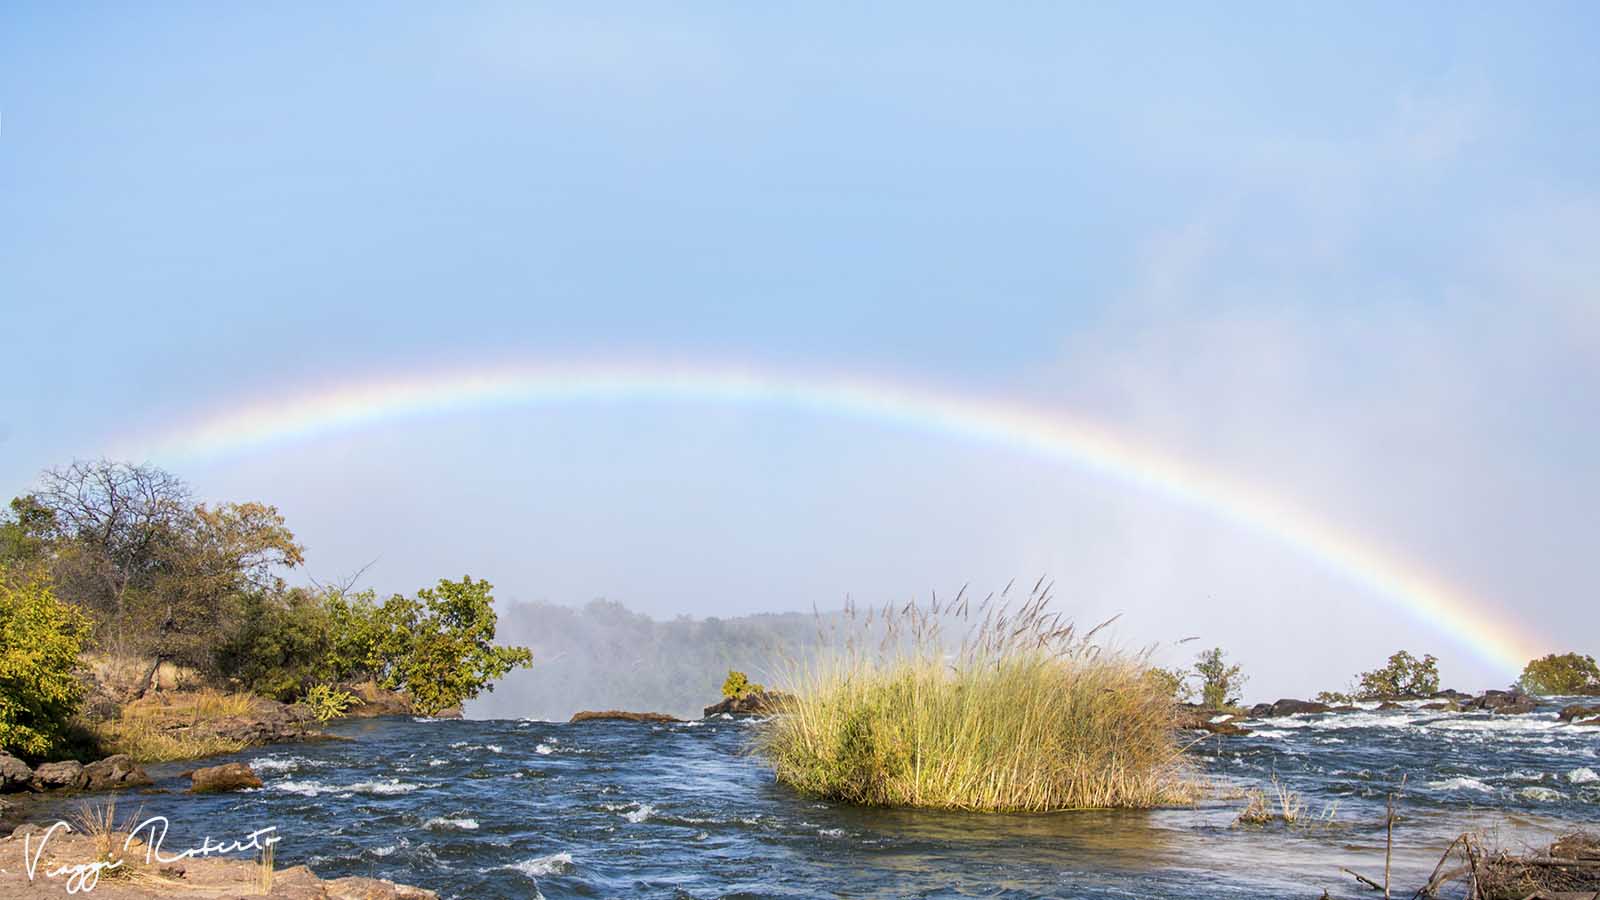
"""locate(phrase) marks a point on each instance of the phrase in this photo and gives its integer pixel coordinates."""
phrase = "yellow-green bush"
(1026, 715)
(40, 637)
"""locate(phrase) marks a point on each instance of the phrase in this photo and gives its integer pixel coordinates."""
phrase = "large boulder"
(59, 775)
(756, 703)
(1294, 708)
(1577, 711)
(14, 773)
(226, 777)
(1504, 702)
(621, 716)
(1191, 717)
(118, 771)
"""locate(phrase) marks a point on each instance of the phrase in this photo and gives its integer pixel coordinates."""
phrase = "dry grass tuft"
(162, 727)
(1026, 715)
(1279, 804)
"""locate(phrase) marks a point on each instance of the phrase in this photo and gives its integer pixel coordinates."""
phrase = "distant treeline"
(605, 656)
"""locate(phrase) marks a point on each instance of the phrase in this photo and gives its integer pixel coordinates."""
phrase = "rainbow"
(1048, 434)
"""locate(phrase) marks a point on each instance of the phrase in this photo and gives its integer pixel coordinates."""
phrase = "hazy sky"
(1346, 253)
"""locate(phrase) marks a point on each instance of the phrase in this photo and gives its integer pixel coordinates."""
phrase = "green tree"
(1172, 683)
(1561, 674)
(1403, 676)
(40, 638)
(25, 531)
(439, 646)
(738, 685)
(1220, 683)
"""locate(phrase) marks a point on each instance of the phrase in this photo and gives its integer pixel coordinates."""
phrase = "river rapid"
(513, 808)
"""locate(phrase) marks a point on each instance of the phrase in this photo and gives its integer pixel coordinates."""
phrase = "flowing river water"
(510, 808)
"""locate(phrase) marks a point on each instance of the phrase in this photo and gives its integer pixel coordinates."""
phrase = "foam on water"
(1461, 783)
(443, 824)
(554, 864)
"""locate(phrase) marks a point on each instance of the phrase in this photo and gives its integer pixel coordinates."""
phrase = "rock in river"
(14, 773)
(58, 775)
(118, 771)
(618, 715)
(226, 777)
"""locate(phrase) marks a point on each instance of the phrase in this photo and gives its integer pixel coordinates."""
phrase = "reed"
(1025, 714)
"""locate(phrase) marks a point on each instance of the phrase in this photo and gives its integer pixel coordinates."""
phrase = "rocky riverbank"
(35, 863)
(1193, 717)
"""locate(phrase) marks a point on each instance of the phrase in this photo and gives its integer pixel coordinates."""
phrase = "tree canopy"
(1561, 674)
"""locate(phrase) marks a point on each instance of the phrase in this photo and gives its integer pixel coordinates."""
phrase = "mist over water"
(604, 656)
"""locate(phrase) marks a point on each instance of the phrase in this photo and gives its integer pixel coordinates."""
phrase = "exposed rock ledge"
(759, 703)
(590, 715)
(209, 878)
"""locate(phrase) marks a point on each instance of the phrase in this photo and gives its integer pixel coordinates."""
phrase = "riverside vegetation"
(1027, 714)
(114, 581)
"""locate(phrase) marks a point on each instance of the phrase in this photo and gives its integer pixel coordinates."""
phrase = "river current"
(512, 808)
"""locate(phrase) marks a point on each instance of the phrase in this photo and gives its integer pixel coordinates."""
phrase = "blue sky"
(1346, 253)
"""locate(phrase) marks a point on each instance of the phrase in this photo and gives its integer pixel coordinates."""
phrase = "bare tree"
(113, 518)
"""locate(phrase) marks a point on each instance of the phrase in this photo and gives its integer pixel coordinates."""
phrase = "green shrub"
(327, 702)
(739, 686)
(1220, 683)
(1173, 683)
(40, 638)
(1403, 676)
(1563, 674)
(1027, 716)
(439, 647)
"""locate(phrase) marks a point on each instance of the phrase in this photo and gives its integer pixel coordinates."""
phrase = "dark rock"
(226, 777)
(759, 703)
(1297, 707)
(1577, 711)
(1505, 702)
(14, 773)
(59, 775)
(1344, 708)
(118, 771)
(1197, 718)
(1450, 694)
(1389, 704)
(1442, 706)
(619, 715)
(1261, 711)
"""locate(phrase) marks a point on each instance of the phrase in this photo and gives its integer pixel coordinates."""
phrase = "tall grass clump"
(1025, 714)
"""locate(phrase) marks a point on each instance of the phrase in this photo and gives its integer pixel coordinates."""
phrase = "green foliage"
(1561, 674)
(25, 531)
(1403, 676)
(439, 646)
(738, 686)
(284, 645)
(327, 702)
(1173, 683)
(1334, 698)
(1220, 683)
(40, 638)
